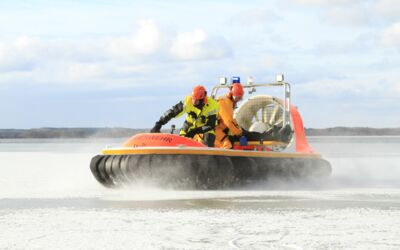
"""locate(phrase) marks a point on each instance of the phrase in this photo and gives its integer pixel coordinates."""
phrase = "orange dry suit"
(227, 125)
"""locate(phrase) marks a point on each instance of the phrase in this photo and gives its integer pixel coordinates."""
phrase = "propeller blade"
(279, 123)
(273, 114)
(256, 116)
(264, 112)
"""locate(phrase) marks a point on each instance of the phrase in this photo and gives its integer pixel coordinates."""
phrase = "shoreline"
(119, 132)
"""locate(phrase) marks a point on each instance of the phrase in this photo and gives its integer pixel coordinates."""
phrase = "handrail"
(253, 86)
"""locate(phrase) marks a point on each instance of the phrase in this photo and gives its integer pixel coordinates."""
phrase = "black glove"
(191, 133)
(156, 128)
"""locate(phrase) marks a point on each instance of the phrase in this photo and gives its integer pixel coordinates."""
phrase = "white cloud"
(342, 12)
(378, 86)
(268, 62)
(254, 17)
(388, 7)
(83, 71)
(391, 35)
(99, 60)
(328, 87)
(397, 88)
(19, 55)
(197, 45)
(348, 16)
(145, 41)
(324, 2)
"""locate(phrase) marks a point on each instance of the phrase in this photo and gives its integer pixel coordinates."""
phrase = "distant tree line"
(352, 131)
(69, 132)
(126, 132)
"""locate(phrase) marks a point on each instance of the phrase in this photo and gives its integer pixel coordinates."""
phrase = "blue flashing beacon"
(235, 79)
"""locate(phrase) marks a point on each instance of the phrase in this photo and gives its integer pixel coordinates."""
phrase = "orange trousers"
(222, 139)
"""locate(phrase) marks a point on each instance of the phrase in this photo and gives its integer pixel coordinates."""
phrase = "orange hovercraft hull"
(178, 162)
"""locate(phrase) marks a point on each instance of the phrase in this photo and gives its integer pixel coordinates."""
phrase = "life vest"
(197, 117)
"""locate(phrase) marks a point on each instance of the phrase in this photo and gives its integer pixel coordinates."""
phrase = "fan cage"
(261, 113)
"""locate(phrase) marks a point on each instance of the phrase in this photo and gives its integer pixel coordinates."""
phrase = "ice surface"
(50, 200)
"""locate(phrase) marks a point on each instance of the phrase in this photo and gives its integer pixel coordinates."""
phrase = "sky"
(121, 63)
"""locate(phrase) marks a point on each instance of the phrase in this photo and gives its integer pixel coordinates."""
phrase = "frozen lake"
(50, 200)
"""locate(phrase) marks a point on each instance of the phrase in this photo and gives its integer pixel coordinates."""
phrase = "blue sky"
(123, 63)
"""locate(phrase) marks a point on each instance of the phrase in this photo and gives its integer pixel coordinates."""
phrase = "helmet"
(199, 93)
(236, 91)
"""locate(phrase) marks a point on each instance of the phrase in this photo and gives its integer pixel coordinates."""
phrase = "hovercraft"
(169, 160)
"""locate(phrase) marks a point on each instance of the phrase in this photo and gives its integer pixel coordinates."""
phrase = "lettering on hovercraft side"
(156, 138)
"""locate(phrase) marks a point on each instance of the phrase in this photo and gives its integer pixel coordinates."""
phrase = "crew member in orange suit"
(227, 126)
